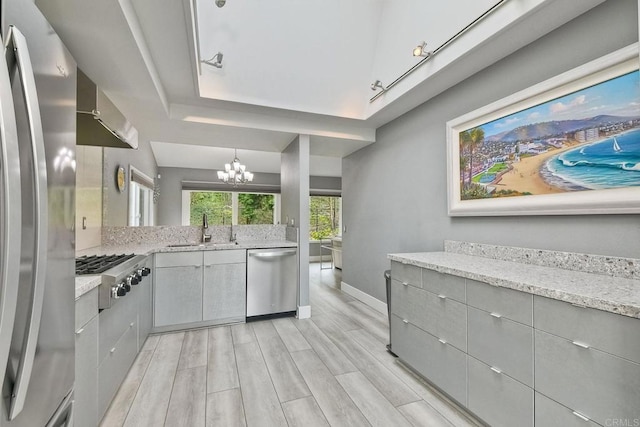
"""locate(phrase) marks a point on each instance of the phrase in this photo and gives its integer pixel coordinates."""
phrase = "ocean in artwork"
(612, 162)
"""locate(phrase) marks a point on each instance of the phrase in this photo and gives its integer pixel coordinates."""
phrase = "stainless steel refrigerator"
(37, 194)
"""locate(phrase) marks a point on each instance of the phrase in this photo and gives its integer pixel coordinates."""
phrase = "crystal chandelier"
(235, 173)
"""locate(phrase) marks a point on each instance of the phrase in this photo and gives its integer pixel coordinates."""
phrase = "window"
(223, 208)
(140, 199)
(325, 217)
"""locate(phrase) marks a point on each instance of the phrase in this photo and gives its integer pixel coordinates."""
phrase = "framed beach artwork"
(569, 145)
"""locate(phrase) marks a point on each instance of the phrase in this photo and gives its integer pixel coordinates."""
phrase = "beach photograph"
(585, 140)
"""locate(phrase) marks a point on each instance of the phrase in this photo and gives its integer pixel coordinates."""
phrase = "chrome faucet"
(205, 226)
(233, 237)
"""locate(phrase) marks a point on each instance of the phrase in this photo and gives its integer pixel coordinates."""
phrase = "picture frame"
(532, 167)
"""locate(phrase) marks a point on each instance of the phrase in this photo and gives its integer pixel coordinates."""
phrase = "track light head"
(377, 85)
(215, 60)
(421, 50)
(221, 3)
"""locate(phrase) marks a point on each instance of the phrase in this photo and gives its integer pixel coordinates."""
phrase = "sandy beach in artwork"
(525, 175)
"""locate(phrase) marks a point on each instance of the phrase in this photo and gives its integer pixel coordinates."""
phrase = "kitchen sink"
(184, 245)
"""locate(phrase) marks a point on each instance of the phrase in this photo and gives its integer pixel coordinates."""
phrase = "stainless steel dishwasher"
(272, 281)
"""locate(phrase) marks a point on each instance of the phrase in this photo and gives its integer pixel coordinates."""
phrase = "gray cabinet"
(224, 293)
(497, 398)
(443, 364)
(591, 382)
(444, 318)
(501, 343)
(177, 288)
(406, 273)
(86, 365)
(513, 358)
(550, 413)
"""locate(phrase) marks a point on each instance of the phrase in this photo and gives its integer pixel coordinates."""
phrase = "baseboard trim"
(372, 302)
(304, 312)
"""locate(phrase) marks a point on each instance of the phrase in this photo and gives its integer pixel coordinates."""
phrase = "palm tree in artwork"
(469, 140)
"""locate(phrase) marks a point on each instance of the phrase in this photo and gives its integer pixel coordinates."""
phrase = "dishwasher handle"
(273, 254)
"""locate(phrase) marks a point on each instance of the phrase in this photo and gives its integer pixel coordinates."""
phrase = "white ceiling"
(290, 67)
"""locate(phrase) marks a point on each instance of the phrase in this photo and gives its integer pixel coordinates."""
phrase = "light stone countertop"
(86, 283)
(614, 294)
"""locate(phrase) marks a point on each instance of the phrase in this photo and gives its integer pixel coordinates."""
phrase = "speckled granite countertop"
(86, 283)
(603, 292)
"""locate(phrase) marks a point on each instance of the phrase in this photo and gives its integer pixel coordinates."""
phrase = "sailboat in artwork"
(616, 146)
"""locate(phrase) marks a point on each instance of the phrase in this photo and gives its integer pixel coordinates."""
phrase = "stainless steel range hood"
(99, 122)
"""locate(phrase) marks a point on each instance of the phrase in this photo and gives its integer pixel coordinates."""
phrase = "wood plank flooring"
(330, 370)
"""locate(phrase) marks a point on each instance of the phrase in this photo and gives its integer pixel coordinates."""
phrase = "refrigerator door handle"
(17, 44)
(11, 215)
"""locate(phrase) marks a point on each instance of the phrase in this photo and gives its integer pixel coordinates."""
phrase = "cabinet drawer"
(114, 368)
(596, 384)
(609, 332)
(442, 364)
(85, 410)
(442, 317)
(550, 413)
(406, 273)
(86, 307)
(514, 305)
(179, 259)
(116, 320)
(225, 257)
(502, 343)
(498, 399)
(444, 284)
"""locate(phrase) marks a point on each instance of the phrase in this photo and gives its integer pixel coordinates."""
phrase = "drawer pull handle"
(405, 284)
(113, 350)
(496, 370)
(79, 331)
(405, 321)
(496, 315)
(579, 415)
(197, 266)
(581, 345)
(442, 341)
(442, 296)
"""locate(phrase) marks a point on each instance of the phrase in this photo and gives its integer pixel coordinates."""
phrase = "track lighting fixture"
(220, 3)
(377, 85)
(215, 60)
(421, 50)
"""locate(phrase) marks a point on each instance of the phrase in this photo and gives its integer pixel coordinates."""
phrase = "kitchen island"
(493, 328)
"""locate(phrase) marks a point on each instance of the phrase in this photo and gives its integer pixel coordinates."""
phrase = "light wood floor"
(332, 369)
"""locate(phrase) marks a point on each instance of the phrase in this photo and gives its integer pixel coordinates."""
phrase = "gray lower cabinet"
(497, 398)
(550, 413)
(224, 295)
(598, 385)
(501, 343)
(178, 295)
(443, 364)
(512, 358)
(86, 365)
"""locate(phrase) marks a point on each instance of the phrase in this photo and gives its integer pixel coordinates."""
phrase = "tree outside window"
(252, 208)
(324, 217)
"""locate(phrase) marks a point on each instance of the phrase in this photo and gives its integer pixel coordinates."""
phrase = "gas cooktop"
(96, 264)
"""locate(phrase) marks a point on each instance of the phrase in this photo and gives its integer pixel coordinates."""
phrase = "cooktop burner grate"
(96, 264)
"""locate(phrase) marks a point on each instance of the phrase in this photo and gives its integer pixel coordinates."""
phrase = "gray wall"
(386, 216)
(116, 204)
(295, 203)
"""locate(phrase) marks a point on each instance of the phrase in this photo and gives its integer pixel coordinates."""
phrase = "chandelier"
(235, 173)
